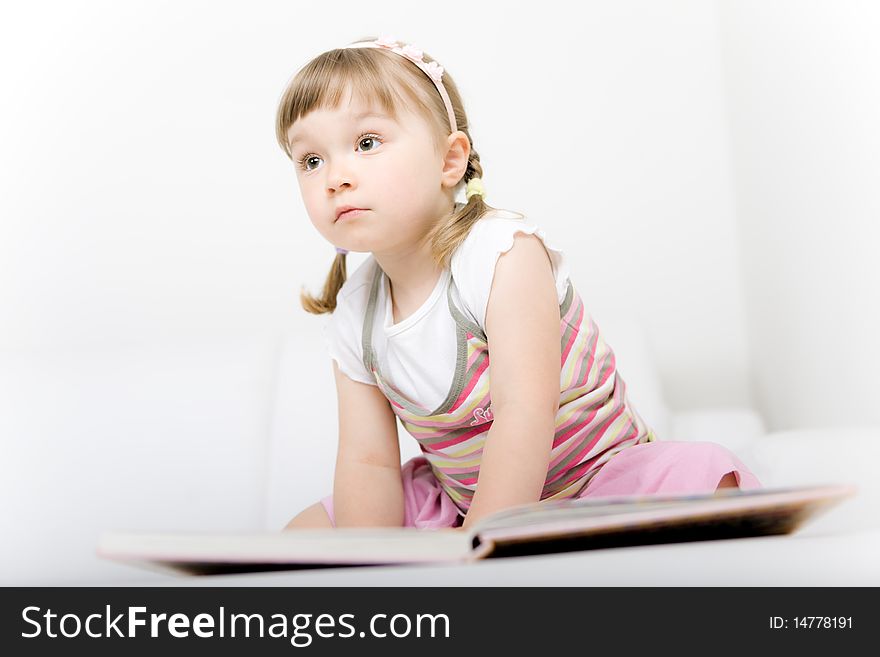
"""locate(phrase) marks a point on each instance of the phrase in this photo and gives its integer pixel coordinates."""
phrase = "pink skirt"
(665, 467)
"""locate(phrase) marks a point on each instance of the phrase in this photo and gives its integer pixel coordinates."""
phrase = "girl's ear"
(455, 160)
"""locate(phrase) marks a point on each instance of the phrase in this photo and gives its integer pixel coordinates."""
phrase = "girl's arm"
(522, 328)
(367, 486)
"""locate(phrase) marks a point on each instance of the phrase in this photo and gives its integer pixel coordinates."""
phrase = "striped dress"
(594, 422)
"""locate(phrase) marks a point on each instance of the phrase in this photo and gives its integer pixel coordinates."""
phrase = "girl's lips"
(349, 214)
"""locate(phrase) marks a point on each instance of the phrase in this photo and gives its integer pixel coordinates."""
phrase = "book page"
(781, 517)
(560, 511)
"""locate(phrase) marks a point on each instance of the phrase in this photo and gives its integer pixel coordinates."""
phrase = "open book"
(539, 528)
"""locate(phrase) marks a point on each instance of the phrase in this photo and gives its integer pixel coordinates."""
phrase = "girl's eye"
(304, 163)
(369, 138)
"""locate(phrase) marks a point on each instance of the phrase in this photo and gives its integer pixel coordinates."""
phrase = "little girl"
(380, 140)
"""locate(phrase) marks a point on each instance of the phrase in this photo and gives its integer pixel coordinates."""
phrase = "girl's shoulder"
(342, 331)
(473, 263)
(490, 228)
(494, 234)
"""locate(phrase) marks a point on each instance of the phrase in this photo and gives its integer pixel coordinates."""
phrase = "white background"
(710, 168)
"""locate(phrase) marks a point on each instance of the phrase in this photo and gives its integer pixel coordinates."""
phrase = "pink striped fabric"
(594, 422)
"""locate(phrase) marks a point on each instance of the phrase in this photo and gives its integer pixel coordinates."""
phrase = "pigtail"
(326, 303)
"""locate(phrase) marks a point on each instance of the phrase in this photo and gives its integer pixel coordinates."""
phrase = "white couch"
(239, 434)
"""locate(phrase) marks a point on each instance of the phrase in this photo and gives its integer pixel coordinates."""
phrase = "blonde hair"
(375, 74)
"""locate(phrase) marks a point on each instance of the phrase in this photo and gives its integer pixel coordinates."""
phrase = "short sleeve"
(473, 265)
(342, 334)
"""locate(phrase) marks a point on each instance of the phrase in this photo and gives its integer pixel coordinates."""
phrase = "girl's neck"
(413, 274)
(412, 278)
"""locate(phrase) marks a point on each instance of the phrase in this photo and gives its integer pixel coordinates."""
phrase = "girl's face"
(355, 155)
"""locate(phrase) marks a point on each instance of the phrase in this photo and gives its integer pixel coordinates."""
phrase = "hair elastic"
(475, 187)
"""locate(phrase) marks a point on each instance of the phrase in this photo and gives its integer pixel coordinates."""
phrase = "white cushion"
(826, 456)
(304, 428)
(737, 429)
(164, 436)
(636, 366)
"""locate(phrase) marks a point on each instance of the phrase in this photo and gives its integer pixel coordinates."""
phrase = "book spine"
(481, 549)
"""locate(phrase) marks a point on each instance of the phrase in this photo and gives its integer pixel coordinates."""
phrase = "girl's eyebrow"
(358, 116)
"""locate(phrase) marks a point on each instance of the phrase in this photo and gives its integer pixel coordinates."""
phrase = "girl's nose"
(339, 176)
(339, 183)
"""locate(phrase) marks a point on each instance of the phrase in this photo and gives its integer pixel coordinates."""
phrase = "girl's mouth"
(350, 214)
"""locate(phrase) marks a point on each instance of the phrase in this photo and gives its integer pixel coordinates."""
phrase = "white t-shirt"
(424, 374)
